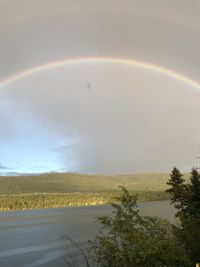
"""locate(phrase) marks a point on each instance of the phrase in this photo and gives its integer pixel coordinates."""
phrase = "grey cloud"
(6, 168)
(125, 123)
(3, 167)
(38, 32)
(131, 120)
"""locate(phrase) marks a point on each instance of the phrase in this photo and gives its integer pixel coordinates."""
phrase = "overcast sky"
(98, 117)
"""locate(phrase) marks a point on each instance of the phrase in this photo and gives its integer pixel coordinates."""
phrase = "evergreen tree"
(191, 220)
(186, 198)
(177, 190)
(194, 195)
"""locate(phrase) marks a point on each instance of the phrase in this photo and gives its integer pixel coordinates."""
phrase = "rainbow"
(112, 60)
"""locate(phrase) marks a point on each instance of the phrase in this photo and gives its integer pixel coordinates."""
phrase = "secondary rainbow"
(139, 64)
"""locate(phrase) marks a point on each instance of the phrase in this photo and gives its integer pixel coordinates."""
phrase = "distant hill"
(72, 182)
(55, 190)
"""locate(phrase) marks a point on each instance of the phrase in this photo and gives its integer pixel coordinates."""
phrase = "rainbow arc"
(66, 62)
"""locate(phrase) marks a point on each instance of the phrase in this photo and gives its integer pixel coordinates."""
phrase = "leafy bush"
(128, 239)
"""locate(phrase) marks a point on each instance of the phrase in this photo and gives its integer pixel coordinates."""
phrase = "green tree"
(177, 190)
(186, 199)
(193, 207)
(191, 219)
(128, 239)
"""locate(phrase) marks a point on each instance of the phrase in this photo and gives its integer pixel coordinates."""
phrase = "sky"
(99, 116)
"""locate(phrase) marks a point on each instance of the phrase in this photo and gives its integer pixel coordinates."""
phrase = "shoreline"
(35, 201)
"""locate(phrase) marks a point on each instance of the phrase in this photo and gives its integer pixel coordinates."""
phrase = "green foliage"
(177, 190)
(194, 195)
(130, 240)
(186, 198)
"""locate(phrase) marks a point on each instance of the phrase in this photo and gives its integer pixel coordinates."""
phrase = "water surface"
(35, 237)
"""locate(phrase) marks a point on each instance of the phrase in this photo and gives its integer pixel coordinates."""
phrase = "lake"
(35, 237)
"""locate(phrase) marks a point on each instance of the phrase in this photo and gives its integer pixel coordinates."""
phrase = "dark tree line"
(186, 199)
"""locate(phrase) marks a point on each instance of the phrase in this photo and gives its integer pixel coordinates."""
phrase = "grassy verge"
(58, 200)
